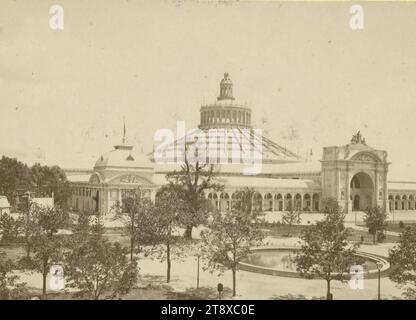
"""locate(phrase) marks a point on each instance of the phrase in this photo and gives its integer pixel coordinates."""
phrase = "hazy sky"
(63, 94)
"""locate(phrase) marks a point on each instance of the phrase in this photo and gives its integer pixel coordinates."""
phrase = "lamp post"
(220, 288)
(197, 272)
(379, 265)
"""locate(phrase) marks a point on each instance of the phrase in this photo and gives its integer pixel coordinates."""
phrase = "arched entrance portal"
(362, 191)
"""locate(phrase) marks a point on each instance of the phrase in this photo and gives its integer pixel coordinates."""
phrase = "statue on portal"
(358, 139)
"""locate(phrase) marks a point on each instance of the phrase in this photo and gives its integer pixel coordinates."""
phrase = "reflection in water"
(281, 260)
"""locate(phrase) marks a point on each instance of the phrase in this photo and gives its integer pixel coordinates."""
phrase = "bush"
(401, 224)
(380, 236)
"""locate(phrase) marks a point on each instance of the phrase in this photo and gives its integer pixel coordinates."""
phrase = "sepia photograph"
(226, 151)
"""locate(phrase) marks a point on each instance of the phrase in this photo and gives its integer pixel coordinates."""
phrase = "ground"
(152, 284)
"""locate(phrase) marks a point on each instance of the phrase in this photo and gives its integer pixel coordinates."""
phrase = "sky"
(310, 79)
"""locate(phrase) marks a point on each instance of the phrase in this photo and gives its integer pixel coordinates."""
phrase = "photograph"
(221, 151)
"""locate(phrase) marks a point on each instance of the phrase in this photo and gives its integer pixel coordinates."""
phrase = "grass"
(396, 226)
(150, 292)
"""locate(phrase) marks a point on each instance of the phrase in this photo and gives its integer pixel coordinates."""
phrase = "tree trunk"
(168, 262)
(44, 275)
(188, 233)
(131, 249)
(28, 246)
(132, 238)
(288, 232)
(234, 282)
(27, 236)
(328, 290)
(374, 238)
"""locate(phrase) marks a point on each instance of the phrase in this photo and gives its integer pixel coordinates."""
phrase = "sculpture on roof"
(358, 139)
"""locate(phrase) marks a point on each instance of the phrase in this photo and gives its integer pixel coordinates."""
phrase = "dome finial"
(226, 88)
(124, 130)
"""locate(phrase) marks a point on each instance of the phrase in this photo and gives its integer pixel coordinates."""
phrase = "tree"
(51, 180)
(375, 220)
(14, 176)
(230, 236)
(10, 289)
(193, 179)
(291, 217)
(17, 178)
(47, 246)
(326, 252)
(136, 214)
(96, 266)
(169, 206)
(10, 228)
(30, 225)
(403, 259)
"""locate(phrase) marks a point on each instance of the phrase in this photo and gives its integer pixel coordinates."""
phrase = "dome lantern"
(226, 88)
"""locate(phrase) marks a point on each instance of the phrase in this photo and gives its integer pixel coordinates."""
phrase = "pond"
(283, 259)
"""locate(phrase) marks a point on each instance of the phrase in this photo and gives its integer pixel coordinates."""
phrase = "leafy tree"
(48, 180)
(10, 289)
(230, 236)
(326, 253)
(169, 206)
(10, 228)
(14, 176)
(47, 246)
(136, 214)
(29, 224)
(193, 179)
(96, 266)
(17, 178)
(244, 202)
(375, 220)
(403, 259)
(289, 218)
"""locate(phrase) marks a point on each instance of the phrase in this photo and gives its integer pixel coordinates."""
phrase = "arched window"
(355, 183)
(288, 202)
(224, 202)
(268, 202)
(298, 202)
(307, 203)
(397, 203)
(257, 202)
(278, 202)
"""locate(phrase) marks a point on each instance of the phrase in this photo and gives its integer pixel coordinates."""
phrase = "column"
(293, 201)
(301, 201)
(119, 197)
(347, 191)
(385, 191)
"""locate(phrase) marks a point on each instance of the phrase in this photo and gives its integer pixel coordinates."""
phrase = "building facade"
(355, 173)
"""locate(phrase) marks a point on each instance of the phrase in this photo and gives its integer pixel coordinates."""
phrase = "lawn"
(397, 226)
